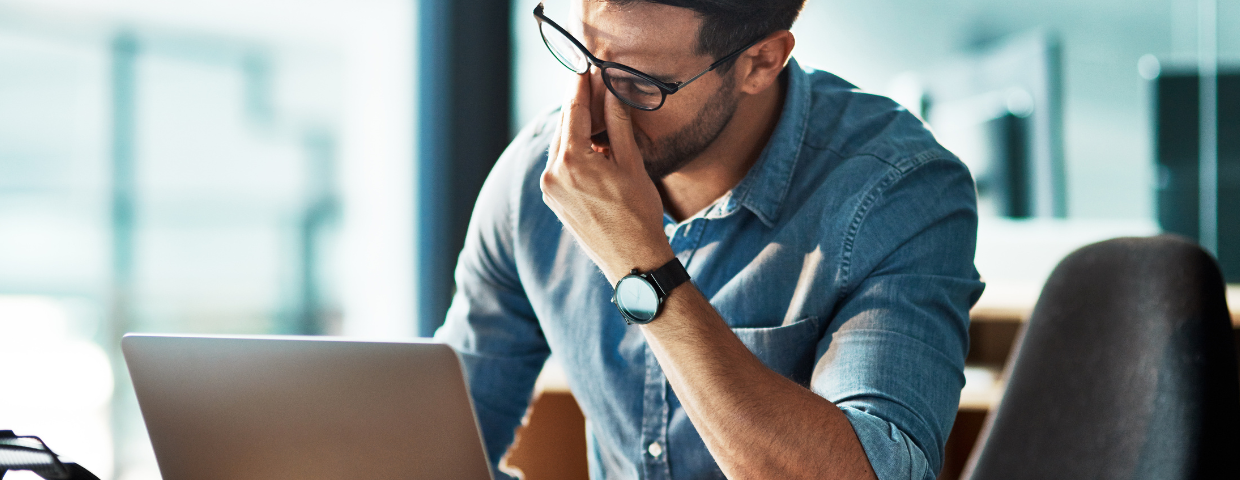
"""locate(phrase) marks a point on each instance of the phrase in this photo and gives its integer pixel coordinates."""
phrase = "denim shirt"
(843, 260)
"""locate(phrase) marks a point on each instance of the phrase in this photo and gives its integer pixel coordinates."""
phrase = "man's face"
(659, 40)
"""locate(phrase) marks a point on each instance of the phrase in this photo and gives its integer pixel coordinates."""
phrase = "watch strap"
(668, 277)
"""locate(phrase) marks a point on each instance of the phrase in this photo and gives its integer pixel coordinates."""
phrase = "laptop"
(308, 408)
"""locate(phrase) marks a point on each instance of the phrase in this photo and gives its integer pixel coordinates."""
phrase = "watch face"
(637, 298)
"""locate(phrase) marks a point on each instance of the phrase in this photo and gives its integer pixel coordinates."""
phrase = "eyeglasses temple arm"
(717, 63)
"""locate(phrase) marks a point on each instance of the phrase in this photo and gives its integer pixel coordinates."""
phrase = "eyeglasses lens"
(564, 49)
(634, 90)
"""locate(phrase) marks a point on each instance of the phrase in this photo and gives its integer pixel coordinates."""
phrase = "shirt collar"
(766, 184)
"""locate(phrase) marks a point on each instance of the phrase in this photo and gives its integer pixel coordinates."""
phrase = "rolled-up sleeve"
(893, 357)
(490, 322)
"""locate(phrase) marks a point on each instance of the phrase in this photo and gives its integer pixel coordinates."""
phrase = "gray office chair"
(1126, 370)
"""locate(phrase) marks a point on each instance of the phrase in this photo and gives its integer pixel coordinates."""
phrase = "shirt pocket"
(786, 349)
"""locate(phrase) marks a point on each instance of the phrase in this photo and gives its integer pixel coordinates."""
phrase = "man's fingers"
(620, 133)
(575, 132)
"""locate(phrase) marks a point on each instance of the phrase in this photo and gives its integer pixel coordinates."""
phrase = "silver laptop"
(273, 408)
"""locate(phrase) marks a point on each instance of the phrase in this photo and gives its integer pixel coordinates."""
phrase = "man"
(828, 238)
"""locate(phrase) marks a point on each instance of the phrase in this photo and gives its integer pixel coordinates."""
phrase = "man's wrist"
(643, 262)
(640, 295)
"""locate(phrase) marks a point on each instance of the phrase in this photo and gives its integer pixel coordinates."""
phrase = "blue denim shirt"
(843, 260)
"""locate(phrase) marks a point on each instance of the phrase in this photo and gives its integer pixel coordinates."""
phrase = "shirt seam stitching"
(894, 174)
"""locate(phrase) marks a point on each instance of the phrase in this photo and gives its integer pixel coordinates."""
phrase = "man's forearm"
(756, 423)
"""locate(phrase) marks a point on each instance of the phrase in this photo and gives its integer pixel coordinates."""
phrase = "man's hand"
(603, 194)
(755, 423)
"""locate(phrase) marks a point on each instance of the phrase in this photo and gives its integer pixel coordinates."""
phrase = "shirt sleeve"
(490, 322)
(893, 357)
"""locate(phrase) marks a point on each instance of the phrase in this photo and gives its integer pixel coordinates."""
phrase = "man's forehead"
(638, 29)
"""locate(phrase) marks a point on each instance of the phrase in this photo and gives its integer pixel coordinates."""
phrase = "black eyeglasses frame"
(667, 88)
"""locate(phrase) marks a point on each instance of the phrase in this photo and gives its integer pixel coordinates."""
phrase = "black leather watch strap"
(668, 277)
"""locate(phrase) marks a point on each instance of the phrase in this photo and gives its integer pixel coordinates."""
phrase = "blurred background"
(308, 167)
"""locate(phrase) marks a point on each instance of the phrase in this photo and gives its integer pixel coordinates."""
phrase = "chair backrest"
(1127, 369)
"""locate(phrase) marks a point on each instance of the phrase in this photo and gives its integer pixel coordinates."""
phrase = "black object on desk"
(30, 453)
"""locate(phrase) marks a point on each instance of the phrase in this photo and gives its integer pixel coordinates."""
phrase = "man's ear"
(759, 67)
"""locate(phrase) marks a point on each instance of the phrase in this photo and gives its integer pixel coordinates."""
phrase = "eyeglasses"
(637, 89)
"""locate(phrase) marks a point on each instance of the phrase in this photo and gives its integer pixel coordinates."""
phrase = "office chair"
(1126, 369)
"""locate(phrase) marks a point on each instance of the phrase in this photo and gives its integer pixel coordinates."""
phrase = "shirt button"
(669, 229)
(655, 450)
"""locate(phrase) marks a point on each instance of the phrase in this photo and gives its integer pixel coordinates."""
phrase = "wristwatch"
(639, 296)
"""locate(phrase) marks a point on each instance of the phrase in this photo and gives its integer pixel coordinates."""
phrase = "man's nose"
(598, 122)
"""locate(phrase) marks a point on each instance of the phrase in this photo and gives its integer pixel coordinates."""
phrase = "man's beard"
(669, 154)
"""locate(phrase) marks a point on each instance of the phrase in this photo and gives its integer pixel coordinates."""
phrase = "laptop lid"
(309, 408)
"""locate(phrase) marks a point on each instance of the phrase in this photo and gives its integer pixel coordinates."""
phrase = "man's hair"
(730, 24)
